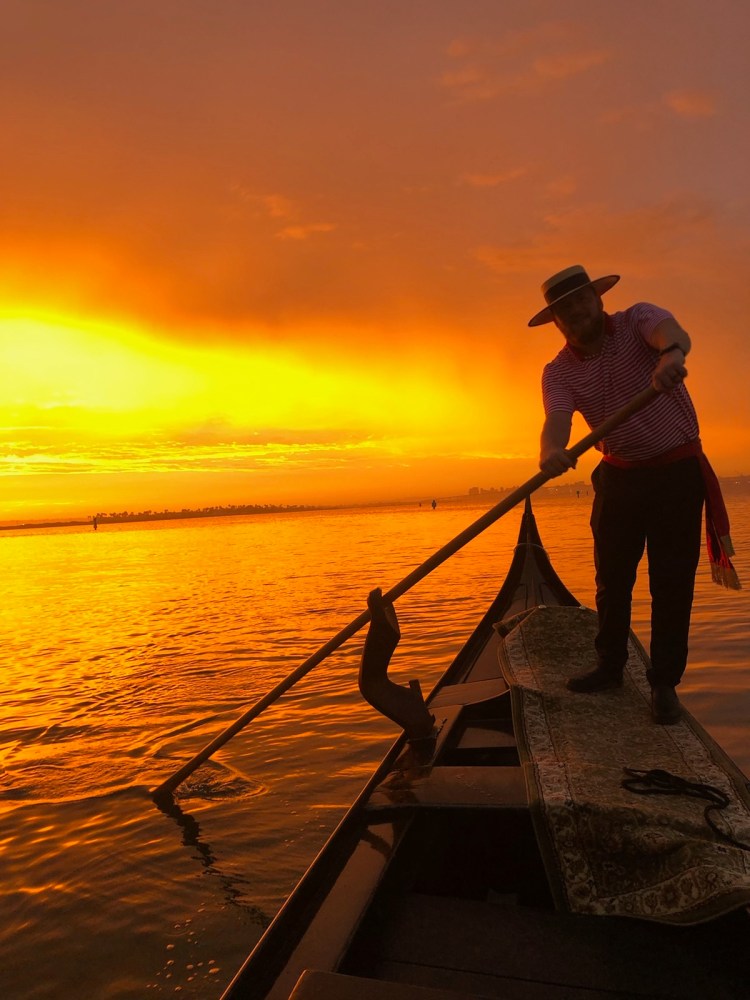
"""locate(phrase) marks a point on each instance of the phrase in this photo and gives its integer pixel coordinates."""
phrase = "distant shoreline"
(729, 484)
(127, 517)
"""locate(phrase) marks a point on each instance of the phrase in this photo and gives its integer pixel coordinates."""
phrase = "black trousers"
(658, 509)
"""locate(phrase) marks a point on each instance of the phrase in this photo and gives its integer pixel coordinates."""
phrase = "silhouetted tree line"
(118, 517)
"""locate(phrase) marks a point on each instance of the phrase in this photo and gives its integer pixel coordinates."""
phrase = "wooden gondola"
(437, 883)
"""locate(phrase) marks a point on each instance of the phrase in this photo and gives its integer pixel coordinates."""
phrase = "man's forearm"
(673, 344)
(553, 458)
(556, 431)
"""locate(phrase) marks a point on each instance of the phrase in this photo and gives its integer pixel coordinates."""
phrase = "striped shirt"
(599, 385)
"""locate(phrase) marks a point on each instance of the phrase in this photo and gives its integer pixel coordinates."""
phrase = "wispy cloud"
(519, 61)
(171, 457)
(691, 103)
(561, 187)
(517, 257)
(484, 180)
(279, 207)
(594, 232)
(305, 231)
(564, 65)
(686, 104)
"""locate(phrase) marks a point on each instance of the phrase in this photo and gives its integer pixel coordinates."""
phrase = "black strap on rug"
(658, 782)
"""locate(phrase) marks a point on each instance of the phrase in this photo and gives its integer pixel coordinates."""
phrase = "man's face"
(580, 318)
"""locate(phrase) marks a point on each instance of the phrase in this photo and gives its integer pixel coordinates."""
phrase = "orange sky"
(286, 252)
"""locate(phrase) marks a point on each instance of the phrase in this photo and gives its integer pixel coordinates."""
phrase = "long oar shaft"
(435, 560)
(167, 787)
(514, 498)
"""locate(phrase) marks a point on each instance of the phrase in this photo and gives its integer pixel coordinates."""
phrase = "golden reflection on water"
(128, 649)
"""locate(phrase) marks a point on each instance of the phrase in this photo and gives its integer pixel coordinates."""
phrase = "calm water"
(126, 650)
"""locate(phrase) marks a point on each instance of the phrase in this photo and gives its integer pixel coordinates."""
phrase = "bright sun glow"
(86, 369)
(82, 398)
(114, 381)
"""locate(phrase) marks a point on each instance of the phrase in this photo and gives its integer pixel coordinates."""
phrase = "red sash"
(718, 540)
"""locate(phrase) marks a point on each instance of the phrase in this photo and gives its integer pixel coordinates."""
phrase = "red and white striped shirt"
(597, 386)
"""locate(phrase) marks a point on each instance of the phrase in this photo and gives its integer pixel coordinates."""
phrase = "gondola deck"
(621, 831)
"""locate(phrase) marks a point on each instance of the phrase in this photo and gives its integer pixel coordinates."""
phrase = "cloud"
(305, 231)
(519, 62)
(475, 84)
(278, 206)
(177, 456)
(599, 237)
(561, 187)
(220, 432)
(691, 103)
(517, 258)
(687, 104)
(493, 180)
(459, 48)
(561, 67)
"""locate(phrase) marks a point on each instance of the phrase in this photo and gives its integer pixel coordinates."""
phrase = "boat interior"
(466, 895)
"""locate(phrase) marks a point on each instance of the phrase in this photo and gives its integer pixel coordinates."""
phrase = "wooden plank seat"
(470, 693)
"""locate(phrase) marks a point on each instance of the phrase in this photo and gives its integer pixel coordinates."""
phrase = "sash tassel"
(718, 539)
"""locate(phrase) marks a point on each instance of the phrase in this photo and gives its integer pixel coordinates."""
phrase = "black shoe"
(595, 680)
(665, 705)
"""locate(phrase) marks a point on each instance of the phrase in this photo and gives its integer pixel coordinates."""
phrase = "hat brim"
(600, 285)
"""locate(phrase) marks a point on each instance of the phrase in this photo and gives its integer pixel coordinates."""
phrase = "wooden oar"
(439, 557)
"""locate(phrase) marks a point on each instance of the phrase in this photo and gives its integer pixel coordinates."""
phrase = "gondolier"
(653, 478)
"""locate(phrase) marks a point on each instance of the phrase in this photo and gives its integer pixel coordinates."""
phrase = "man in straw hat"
(653, 478)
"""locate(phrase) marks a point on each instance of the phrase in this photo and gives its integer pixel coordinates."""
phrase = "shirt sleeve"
(556, 395)
(645, 317)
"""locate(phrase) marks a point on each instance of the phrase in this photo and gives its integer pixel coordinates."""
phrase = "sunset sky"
(286, 252)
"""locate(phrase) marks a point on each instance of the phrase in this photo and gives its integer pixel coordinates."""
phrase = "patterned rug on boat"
(607, 849)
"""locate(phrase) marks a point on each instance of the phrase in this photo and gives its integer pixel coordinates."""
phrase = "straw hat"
(566, 282)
